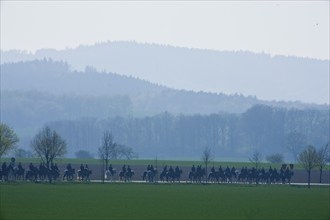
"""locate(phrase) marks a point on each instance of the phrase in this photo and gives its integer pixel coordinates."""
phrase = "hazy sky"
(298, 28)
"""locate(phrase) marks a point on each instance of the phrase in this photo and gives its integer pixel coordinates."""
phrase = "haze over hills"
(260, 75)
(141, 98)
(150, 118)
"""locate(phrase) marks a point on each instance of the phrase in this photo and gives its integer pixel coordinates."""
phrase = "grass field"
(177, 201)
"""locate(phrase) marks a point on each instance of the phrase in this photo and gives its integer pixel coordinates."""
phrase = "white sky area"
(299, 28)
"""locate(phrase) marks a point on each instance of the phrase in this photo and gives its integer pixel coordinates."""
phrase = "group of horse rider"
(197, 173)
(12, 167)
(124, 169)
(171, 170)
(41, 172)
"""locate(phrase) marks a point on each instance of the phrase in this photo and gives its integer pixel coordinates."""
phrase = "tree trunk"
(206, 174)
(102, 173)
(48, 173)
(321, 170)
(309, 178)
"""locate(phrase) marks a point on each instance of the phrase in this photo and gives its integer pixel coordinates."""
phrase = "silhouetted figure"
(20, 168)
(81, 167)
(193, 169)
(31, 167)
(69, 167)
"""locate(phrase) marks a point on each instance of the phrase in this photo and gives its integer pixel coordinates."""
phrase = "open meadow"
(161, 201)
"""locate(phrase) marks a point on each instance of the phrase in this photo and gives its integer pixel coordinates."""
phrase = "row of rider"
(171, 170)
(19, 167)
(128, 170)
(42, 166)
(12, 165)
(198, 169)
(82, 168)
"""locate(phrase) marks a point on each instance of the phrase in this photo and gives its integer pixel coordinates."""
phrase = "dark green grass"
(143, 201)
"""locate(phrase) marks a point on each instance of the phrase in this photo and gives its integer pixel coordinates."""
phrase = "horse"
(43, 173)
(129, 175)
(20, 174)
(32, 175)
(109, 175)
(274, 176)
(149, 175)
(197, 176)
(126, 176)
(69, 174)
(11, 173)
(286, 175)
(177, 175)
(55, 174)
(83, 175)
(214, 176)
(163, 176)
(4, 174)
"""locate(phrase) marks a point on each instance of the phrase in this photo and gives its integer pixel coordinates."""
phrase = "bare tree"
(323, 155)
(48, 145)
(207, 157)
(308, 159)
(275, 158)
(8, 139)
(256, 159)
(107, 150)
(125, 152)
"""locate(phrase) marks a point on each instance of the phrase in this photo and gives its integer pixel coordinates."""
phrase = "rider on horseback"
(213, 170)
(111, 169)
(82, 167)
(193, 169)
(31, 167)
(171, 170)
(20, 168)
(165, 169)
(129, 170)
(227, 170)
(12, 164)
(69, 167)
(124, 169)
(199, 169)
(86, 167)
(270, 170)
(4, 166)
(41, 167)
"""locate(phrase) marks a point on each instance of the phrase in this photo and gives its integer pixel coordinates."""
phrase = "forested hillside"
(230, 72)
(262, 128)
(152, 119)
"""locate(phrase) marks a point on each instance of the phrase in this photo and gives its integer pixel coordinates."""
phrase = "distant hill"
(260, 75)
(146, 116)
(92, 90)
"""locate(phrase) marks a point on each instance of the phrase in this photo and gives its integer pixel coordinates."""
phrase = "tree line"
(267, 129)
(48, 145)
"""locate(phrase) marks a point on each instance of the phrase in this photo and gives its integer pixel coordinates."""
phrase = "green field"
(177, 201)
